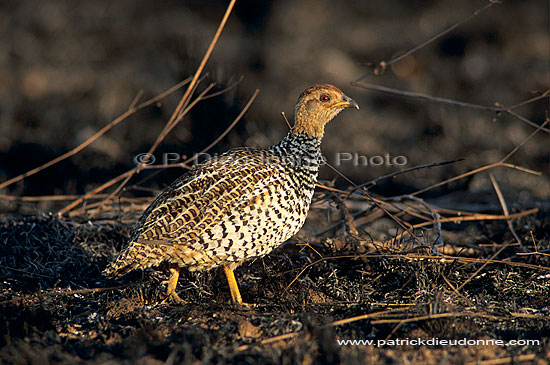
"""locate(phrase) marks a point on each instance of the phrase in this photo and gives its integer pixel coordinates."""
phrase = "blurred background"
(67, 68)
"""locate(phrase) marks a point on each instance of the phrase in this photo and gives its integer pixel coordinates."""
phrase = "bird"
(236, 206)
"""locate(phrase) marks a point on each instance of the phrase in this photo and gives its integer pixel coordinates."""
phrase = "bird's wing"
(206, 194)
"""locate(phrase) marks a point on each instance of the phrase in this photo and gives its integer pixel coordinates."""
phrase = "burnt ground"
(69, 68)
(57, 308)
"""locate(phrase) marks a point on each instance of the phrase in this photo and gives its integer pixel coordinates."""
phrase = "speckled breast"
(262, 220)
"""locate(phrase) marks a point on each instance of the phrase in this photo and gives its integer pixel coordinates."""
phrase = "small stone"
(247, 329)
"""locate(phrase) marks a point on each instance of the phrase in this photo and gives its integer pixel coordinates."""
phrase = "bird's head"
(317, 106)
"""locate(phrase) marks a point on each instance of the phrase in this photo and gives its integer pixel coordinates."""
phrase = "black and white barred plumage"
(239, 205)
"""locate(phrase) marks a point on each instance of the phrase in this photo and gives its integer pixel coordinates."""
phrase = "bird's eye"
(325, 98)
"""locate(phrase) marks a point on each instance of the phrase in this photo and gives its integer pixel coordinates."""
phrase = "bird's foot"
(171, 287)
(172, 296)
(234, 288)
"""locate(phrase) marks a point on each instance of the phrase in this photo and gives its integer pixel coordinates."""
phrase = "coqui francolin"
(237, 206)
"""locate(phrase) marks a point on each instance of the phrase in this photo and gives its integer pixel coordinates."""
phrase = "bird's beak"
(346, 102)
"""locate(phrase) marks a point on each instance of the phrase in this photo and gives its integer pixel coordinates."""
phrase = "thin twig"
(529, 101)
(41, 198)
(373, 182)
(65, 292)
(136, 99)
(437, 99)
(286, 120)
(224, 90)
(189, 106)
(482, 267)
(384, 64)
(505, 210)
(516, 359)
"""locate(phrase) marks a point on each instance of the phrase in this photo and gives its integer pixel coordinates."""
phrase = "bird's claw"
(171, 294)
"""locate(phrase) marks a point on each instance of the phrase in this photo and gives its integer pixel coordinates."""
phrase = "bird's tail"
(135, 256)
(122, 265)
(117, 269)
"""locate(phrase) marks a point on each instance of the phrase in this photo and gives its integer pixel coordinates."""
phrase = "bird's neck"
(300, 149)
(308, 122)
(316, 131)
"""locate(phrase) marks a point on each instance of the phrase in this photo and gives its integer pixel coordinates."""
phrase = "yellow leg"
(171, 285)
(233, 287)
